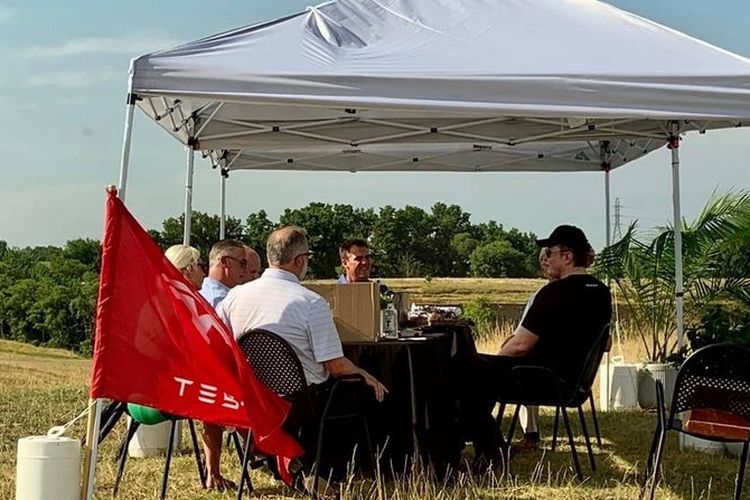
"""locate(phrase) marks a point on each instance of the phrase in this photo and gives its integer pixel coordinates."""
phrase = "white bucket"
(688, 442)
(152, 440)
(48, 468)
(623, 385)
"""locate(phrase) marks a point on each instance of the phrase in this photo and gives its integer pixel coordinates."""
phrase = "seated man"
(356, 261)
(277, 302)
(559, 328)
(227, 267)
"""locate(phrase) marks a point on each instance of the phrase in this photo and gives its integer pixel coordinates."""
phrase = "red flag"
(160, 344)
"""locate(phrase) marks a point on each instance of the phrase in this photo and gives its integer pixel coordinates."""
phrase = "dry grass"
(40, 388)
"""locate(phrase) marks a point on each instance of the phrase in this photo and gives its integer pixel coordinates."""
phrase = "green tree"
(257, 228)
(204, 231)
(497, 259)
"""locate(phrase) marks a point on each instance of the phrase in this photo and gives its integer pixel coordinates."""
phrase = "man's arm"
(342, 366)
(520, 344)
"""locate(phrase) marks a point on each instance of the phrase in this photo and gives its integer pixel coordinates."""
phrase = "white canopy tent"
(441, 85)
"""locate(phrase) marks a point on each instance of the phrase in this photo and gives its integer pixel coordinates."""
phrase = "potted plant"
(643, 274)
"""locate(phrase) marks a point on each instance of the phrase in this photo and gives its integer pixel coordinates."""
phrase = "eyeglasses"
(308, 254)
(242, 262)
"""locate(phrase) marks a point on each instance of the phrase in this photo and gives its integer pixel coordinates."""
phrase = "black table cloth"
(419, 413)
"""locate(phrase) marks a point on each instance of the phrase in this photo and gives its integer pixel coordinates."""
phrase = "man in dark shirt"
(557, 332)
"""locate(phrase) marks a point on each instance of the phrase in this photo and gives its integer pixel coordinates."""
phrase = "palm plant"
(716, 267)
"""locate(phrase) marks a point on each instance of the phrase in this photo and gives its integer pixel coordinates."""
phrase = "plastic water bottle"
(389, 322)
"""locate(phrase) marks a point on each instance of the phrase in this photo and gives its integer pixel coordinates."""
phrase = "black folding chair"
(133, 427)
(541, 386)
(277, 366)
(714, 382)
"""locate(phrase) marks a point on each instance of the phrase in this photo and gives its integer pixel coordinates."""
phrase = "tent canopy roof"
(445, 85)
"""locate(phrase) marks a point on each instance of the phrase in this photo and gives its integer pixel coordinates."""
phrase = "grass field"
(40, 388)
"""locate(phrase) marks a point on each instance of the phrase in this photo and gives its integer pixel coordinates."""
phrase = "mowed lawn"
(40, 388)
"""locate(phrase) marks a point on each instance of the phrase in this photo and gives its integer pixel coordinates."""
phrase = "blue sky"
(62, 88)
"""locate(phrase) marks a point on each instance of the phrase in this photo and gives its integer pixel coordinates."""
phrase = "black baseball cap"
(566, 236)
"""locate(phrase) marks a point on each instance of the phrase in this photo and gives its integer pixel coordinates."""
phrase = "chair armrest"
(351, 377)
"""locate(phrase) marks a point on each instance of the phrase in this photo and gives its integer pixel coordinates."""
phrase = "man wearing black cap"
(557, 332)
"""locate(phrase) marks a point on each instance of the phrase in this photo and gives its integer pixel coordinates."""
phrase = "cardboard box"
(355, 308)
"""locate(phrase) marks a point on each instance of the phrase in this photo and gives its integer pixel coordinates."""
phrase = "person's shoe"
(530, 442)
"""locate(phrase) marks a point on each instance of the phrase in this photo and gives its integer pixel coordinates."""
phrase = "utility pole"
(617, 231)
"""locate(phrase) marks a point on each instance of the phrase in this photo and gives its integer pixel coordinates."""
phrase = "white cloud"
(129, 45)
(6, 13)
(71, 79)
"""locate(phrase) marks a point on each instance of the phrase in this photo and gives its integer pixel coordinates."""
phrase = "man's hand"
(342, 366)
(380, 390)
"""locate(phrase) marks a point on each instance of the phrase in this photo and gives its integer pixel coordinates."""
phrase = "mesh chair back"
(715, 377)
(590, 367)
(274, 361)
(594, 357)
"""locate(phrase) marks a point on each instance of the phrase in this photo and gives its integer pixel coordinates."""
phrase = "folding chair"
(142, 415)
(541, 386)
(277, 366)
(711, 400)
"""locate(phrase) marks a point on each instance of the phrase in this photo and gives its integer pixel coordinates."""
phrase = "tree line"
(48, 293)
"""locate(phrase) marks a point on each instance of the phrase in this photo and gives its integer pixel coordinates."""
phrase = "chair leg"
(595, 419)
(318, 456)
(652, 452)
(110, 416)
(123, 453)
(245, 459)
(509, 440)
(741, 473)
(170, 448)
(555, 426)
(586, 439)
(657, 461)
(197, 452)
(244, 476)
(370, 453)
(573, 452)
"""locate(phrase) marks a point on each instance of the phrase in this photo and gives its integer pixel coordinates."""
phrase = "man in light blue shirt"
(230, 264)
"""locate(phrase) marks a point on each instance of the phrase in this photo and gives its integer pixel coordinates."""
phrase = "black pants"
(479, 381)
(341, 436)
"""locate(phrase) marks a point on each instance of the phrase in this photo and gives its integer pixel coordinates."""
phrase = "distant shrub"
(483, 313)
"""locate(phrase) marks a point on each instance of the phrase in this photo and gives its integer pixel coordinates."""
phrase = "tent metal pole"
(606, 166)
(127, 136)
(187, 225)
(608, 222)
(223, 207)
(674, 146)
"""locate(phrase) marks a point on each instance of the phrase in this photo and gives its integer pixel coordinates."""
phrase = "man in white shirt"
(227, 268)
(277, 302)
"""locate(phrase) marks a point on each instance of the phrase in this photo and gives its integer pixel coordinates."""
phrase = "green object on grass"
(145, 414)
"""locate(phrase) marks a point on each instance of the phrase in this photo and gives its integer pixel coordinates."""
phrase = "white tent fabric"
(444, 85)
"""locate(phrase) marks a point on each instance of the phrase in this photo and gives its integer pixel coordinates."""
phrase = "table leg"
(412, 392)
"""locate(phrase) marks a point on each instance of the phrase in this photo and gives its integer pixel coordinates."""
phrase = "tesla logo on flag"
(203, 322)
(207, 394)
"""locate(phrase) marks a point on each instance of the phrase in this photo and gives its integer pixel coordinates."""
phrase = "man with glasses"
(227, 268)
(278, 303)
(557, 331)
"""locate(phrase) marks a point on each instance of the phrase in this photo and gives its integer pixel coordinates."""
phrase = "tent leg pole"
(608, 241)
(188, 196)
(223, 207)
(127, 137)
(674, 145)
(91, 451)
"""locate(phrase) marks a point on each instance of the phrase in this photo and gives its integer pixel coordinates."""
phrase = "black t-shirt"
(566, 315)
